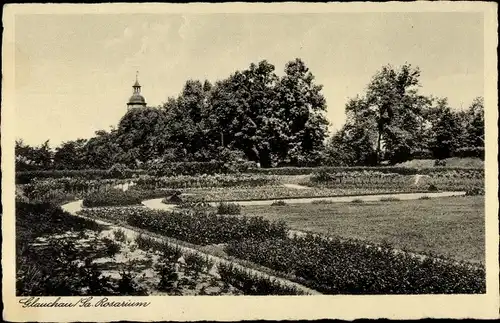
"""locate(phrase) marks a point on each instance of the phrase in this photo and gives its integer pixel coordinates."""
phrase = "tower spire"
(137, 86)
(136, 100)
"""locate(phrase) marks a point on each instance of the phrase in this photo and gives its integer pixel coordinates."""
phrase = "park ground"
(450, 226)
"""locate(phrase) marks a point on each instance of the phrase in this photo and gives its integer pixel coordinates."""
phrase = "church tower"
(136, 100)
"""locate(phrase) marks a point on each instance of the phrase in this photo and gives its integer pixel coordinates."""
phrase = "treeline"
(255, 115)
(393, 123)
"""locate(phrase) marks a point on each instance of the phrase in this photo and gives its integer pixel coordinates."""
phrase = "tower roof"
(136, 98)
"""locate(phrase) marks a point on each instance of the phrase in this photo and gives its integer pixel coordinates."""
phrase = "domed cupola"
(136, 100)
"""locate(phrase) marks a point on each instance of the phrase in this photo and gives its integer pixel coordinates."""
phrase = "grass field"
(451, 227)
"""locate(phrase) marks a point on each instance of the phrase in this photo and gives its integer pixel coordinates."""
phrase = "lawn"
(451, 227)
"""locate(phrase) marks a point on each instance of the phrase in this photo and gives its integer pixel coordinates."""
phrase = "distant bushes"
(156, 169)
(228, 208)
(119, 171)
(464, 152)
(197, 168)
(212, 168)
(475, 191)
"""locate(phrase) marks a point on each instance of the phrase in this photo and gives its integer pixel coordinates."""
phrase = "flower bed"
(351, 267)
(451, 180)
(282, 193)
(198, 227)
(382, 169)
(243, 280)
(206, 181)
(116, 197)
(24, 177)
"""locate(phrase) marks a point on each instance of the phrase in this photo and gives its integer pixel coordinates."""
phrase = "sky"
(74, 73)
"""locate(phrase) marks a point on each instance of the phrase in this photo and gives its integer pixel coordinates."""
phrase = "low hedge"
(197, 168)
(465, 152)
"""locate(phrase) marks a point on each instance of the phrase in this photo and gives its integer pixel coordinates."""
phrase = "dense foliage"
(252, 115)
(392, 122)
(335, 266)
(54, 265)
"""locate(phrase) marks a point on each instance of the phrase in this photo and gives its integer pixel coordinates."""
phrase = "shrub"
(118, 171)
(440, 162)
(422, 154)
(228, 208)
(389, 199)
(475, 191)
(465, 152)
(432, 188)
(321, 202)
(278, 203)
(119, 235)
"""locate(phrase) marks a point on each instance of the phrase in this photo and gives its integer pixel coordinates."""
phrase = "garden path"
(157, 203)
(297, 186)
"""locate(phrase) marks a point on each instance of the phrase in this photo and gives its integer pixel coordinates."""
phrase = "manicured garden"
(332, 266)
(353, 248)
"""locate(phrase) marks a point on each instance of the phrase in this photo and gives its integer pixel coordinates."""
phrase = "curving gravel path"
(158, 205)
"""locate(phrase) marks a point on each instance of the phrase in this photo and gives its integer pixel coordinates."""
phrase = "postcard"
(244, 161)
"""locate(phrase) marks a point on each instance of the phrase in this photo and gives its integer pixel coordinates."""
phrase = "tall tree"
(243, 112)
(475, 127)
(392, 110)
(446, 131)
(302, 109)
